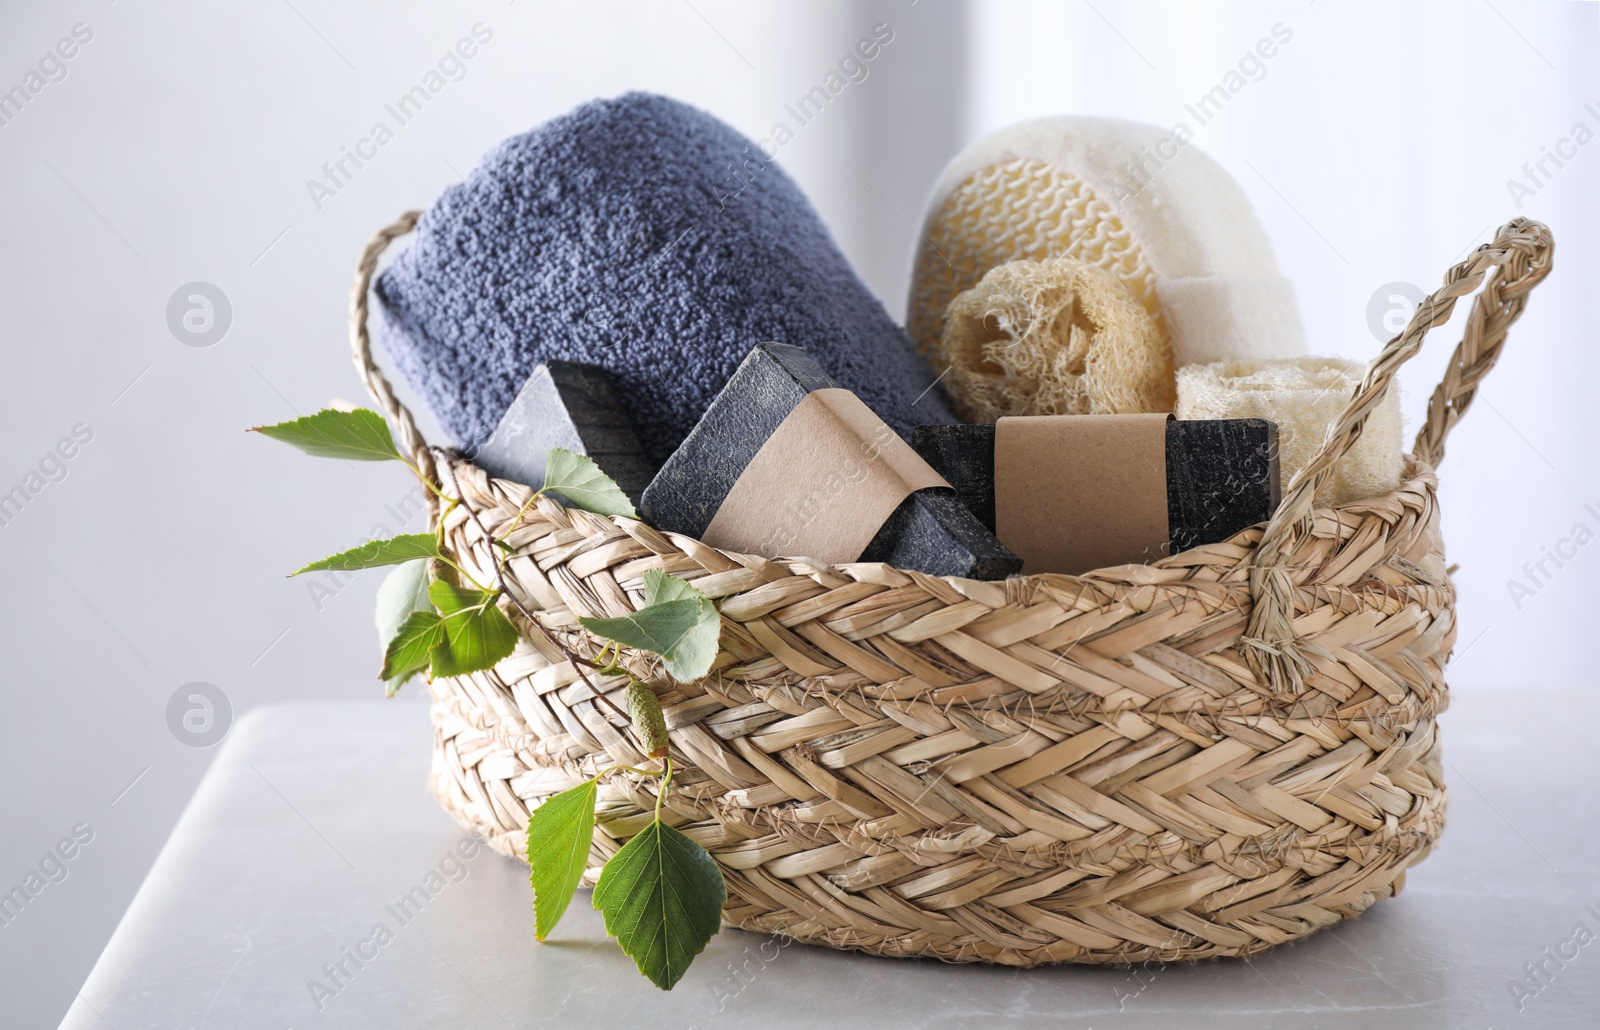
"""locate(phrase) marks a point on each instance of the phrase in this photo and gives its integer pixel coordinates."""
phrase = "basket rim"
(1417, 476)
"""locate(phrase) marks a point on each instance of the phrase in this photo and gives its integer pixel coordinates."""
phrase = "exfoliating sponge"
(1052, 337)
(1143, 204)
(1304, 396)
(644, 236)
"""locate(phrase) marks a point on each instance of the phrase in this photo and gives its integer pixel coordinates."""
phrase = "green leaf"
(559, 832)
(581, 482)
(377, 553)
(476, 633)
(403, 591)
(359, 435)
(662, 898)
(660, 587)
(411, 650)
(678, 622)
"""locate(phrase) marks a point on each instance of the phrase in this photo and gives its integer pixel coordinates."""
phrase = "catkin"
(649, 724)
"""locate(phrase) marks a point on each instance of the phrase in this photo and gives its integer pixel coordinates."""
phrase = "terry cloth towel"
(1141, 203)
(644, 236)
(1303, 396)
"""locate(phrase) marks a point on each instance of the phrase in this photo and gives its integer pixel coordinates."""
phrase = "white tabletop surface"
(315, 819)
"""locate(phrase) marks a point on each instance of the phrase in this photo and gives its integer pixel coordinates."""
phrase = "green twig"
(627, 768)
(566, 652)
(470, 578)
(666, 784)
(424, 480)
(521, 514)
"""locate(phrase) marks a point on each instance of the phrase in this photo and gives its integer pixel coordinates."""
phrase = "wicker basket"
(1224, 750)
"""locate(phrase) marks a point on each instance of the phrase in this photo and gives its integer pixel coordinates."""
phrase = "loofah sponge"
(1303, 396)
(1055, 337)
(1143, 204)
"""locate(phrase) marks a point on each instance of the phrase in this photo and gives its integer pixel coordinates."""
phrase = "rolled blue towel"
(644, 236)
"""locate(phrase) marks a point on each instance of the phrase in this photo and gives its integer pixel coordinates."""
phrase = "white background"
(1376, 147)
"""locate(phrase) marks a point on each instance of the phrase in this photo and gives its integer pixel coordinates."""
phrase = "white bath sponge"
(1055, 337)
(1141, 203)
(1303, 396)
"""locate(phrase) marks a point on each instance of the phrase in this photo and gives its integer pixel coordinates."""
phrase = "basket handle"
(411, 441)
(1521, 257)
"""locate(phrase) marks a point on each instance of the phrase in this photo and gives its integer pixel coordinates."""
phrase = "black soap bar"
(572, 405)
(1222, 477)
(1222, 474)
(931, 530)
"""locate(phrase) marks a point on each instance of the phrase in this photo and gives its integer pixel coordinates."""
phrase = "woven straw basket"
(1223, 750)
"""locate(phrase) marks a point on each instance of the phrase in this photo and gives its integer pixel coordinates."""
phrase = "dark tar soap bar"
(1222, 477)
(1222, 474)
(931, 530)
(572, 405)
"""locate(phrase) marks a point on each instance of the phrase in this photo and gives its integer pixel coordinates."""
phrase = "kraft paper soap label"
(838, 473)
(1075, 493)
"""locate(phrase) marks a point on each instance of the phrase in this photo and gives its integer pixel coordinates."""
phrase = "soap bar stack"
(785, 462)
(1221, 477)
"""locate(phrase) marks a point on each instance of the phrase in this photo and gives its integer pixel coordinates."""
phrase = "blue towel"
(647, 237)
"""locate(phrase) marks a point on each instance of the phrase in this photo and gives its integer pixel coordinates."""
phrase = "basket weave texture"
(1221, 751)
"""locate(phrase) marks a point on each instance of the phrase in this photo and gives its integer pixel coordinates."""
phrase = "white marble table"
(314, 822)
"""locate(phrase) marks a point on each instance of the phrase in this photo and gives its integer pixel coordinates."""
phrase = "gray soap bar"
(1222, 474)
(572, 405)
(931, 531)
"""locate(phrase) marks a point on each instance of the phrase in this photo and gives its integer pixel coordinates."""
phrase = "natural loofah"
(1056, 337)
(1144, 204)
(1303, 396)
(1017, 209)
